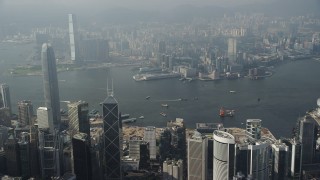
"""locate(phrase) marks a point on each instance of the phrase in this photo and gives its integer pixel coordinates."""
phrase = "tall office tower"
(259, 154)
(5, 97)
(11, 149)
(25, 113)
(144, 162)
(134, 147)
(3, 135)
(3, 160)
(112, 138)
(34, 152)
(253, 128)
(78, 118)
(50, 150)
(73, 36)
(307, 137)
(178, 138)
(280, 155)
(165, 145)
(150, 137)
(51, 89)
(232, 50)
(24, 152)
(295, 166)
(172, 169)
(223, 155)
(81, 156)
(43, 117)
(197, 157)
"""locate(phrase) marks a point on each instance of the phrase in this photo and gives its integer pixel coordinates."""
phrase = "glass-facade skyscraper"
(112, 137)
(78, 117)
(5, 96)
(50, 83)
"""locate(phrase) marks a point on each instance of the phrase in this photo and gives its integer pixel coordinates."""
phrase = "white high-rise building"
(253, 128)
(150, 137)
(172, 170)
(5, 96)
(232, 50)
(73, 35)
(223, 155)
(43, 117)
(197, 157)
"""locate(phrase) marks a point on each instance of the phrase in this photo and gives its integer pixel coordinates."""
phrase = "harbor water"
(278, 100)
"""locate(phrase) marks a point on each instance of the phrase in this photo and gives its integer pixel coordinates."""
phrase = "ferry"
(148, 97)
(164, 105)
(232, 91)
(147, 77)
(125, 116)
(141, 117)
(163, 114)
(226, 112)
(130, 120)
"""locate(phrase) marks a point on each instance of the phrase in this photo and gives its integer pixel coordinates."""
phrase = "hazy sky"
(56, 10)
(137, 4)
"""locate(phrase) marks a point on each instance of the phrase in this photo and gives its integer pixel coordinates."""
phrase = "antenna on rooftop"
(110, 90)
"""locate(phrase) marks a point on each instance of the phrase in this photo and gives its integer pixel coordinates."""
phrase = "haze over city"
(160, 89)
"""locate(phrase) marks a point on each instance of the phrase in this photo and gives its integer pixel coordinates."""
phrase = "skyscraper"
(253, 128)
(50, 149)
(150, 137)
(280, 157)
(81, 156)
(78, 117)
(112, 145)
(25, 112)
(5, 97)
(73, 35)
(223, 155)
(43, 117)
(51, 89)
(11, 149)
(232, 50)
(24, 152)
(173, 169)
(307, 137)
(197, 157)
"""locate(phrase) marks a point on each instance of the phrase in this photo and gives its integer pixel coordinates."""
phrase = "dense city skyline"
(209, 90)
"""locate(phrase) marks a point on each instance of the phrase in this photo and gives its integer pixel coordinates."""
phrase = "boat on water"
(163, 114)
(130, 120)
(148, 97)
(232, 91)
(147, 77)
(141, 117)
(125, 116)
(164, 105)
(226, 112)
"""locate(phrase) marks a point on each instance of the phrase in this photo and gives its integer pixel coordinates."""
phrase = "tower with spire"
(111, 137)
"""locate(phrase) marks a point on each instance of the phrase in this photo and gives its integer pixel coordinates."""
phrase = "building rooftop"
(110, 100)
(80, 136)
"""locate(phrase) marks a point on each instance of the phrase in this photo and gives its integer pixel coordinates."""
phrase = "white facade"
(73, 37)
(259, 160)
(197, 157)
(232, 49)
(223, 155)
(5, 94)
(43, 117)
(150, 137)
(172, 170)
(253, 128)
